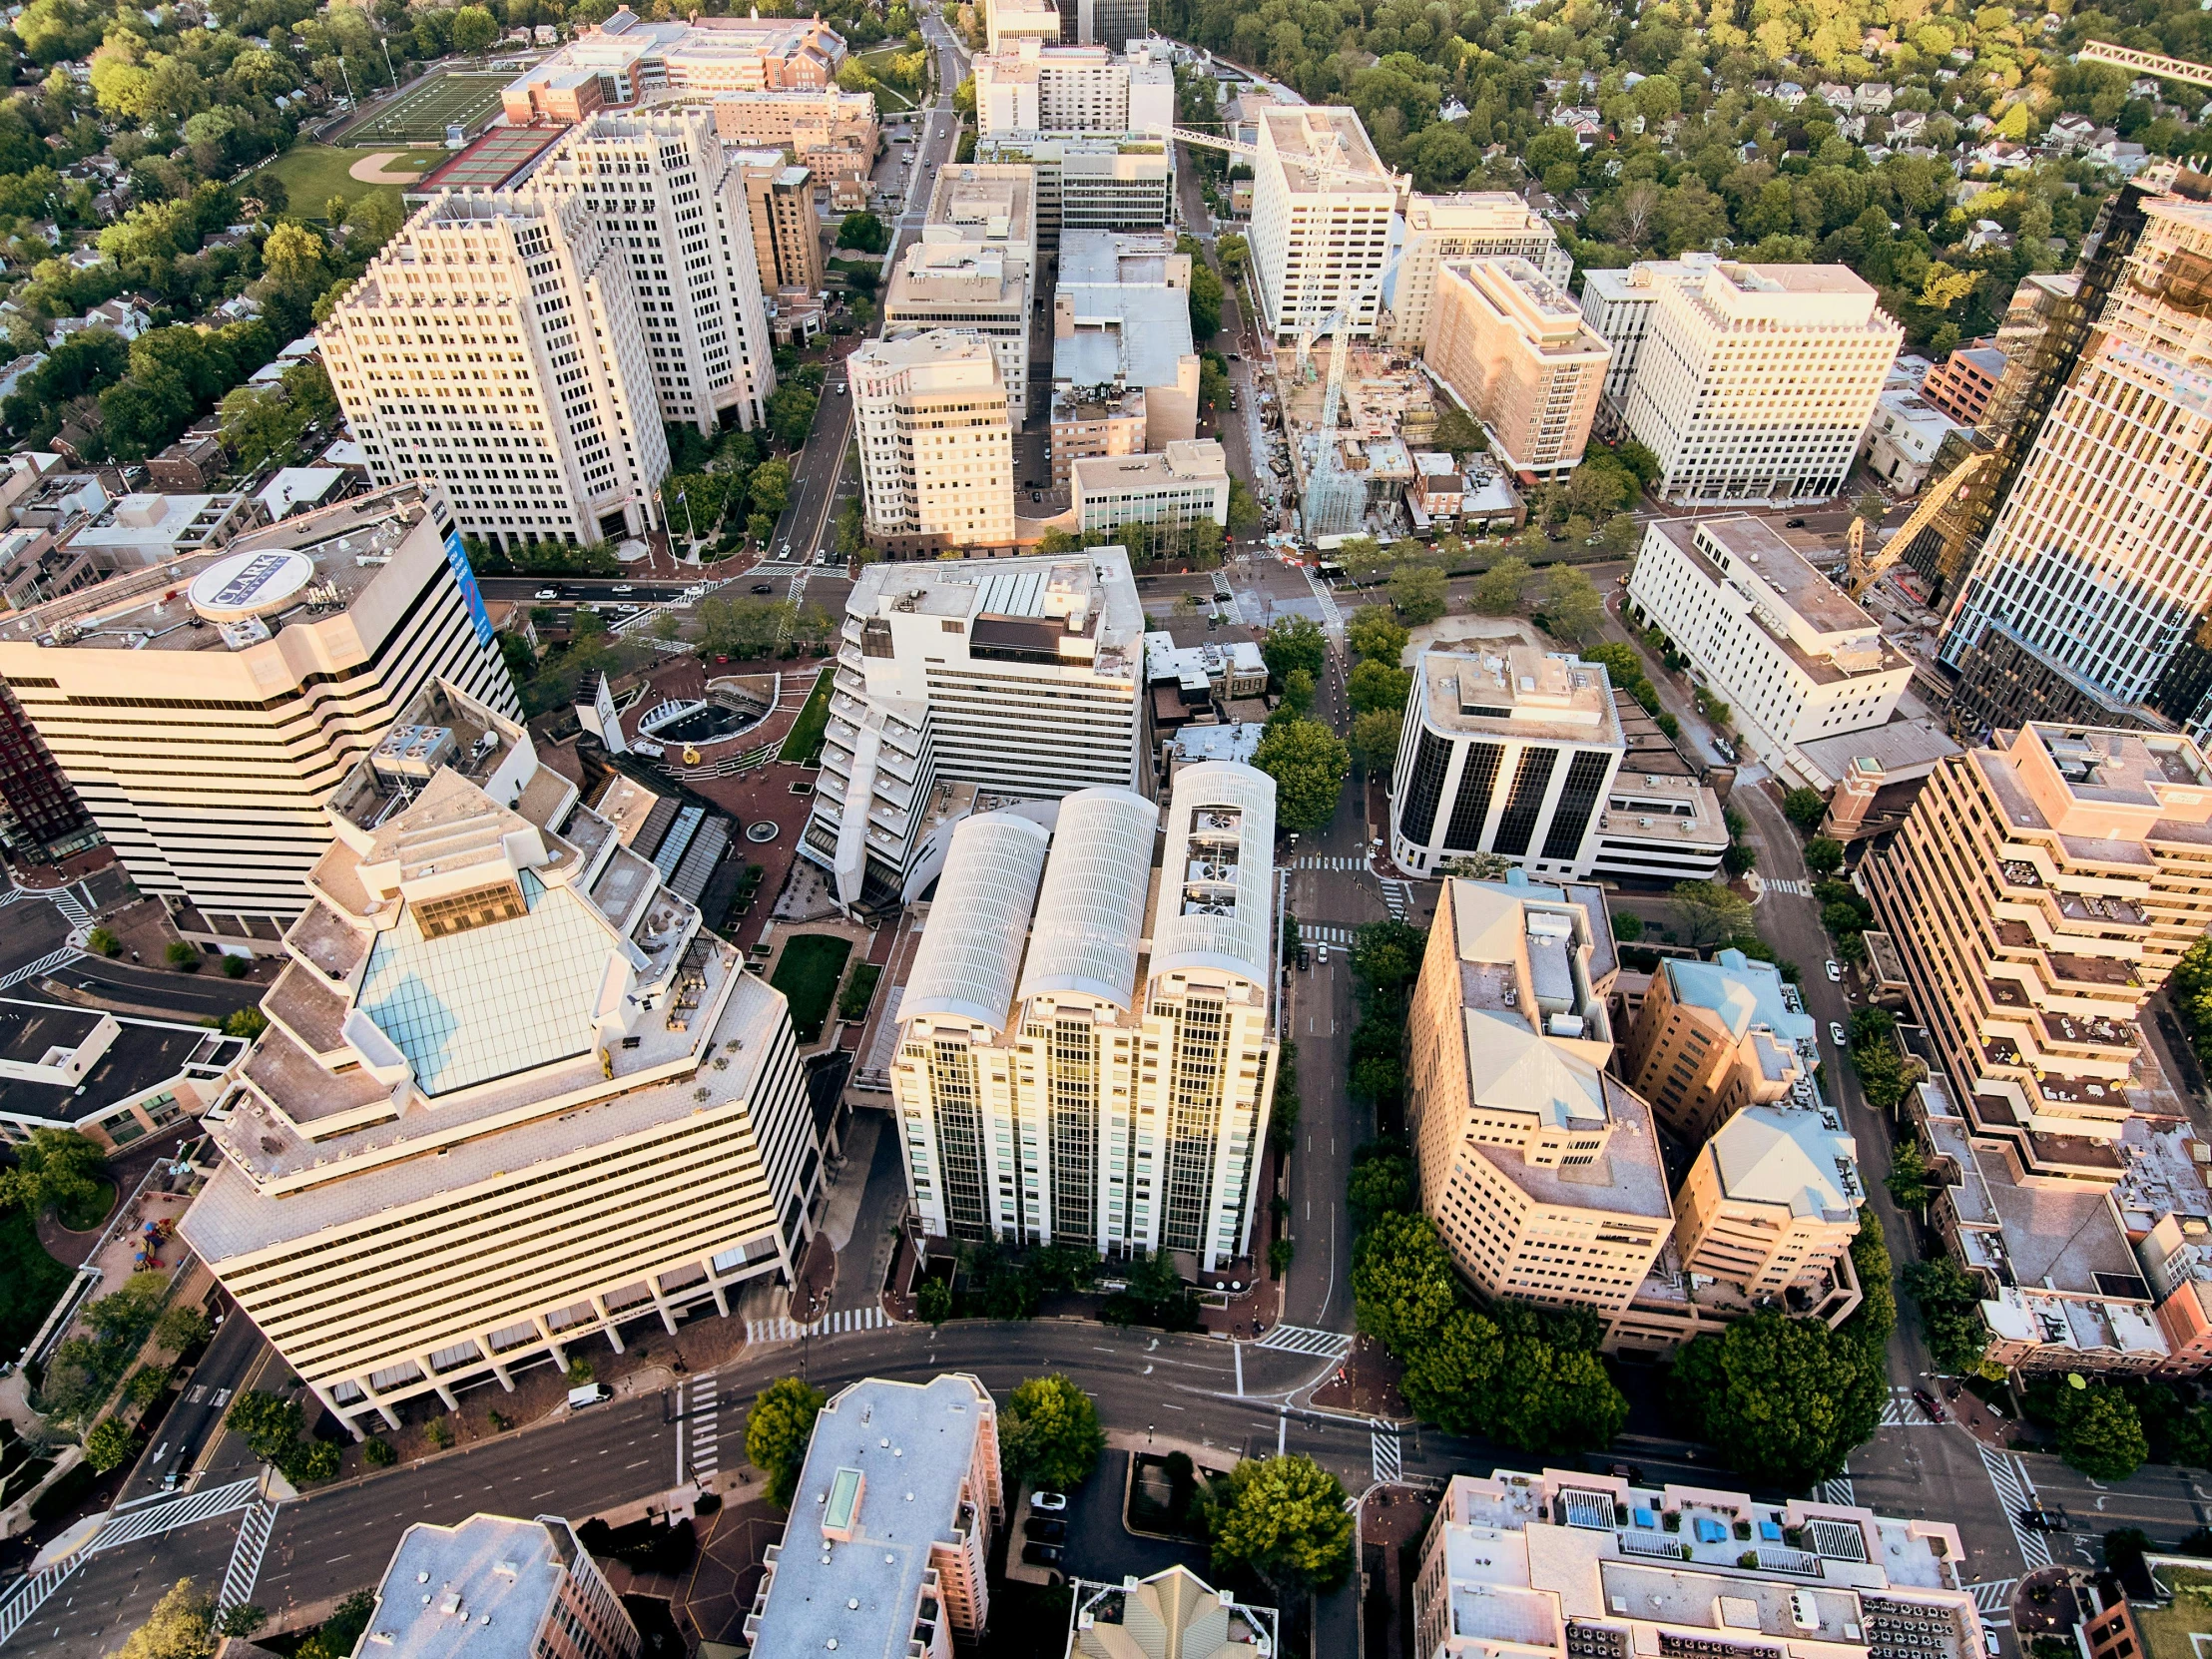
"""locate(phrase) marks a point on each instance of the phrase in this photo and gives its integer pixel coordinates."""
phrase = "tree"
(776, 1432)
(1050, 1433)
(110, 1444)
(1204, 295)
(934, 1300)
(1372, 632)
(58, 1170)
(104, 942)
(1572, 609)
(1382, 1185)
(864, 232)
(1294, 642)
(1708, 913)
(1284, 1518)
(1787, 1397)
(1908, 1180)
(181, 956)
(1418, 593)
(268, 1423)
(2100, 1433)
(1950, 1301)
(1374, 739)
(1805, 809)
(1377, 684)
(1386, 955)
(1498, 591)
(341, 1633)
(247, 1022)
(1309, 763)
(475, 31)
(259, 426)
(241, 1621)
(180, 1626)
(1402, 1281)
(183, 1326)
(1824, 856)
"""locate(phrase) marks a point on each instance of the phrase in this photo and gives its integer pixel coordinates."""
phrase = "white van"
(596, 1394)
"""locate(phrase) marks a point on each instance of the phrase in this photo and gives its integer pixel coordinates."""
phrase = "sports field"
(421, 116)
(314, 173)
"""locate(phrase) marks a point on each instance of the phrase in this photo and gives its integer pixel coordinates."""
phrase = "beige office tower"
(1712, 1038)
(2040, 891)
(1488, 224)
(1756, 383)
(1540, 1168)
(786, 228)
(496, 345)
(511, 1097)
(970, 288)
(1770, 1209)
(1321, 206)
(670, 200)
(202, 709)
(1513, 347)
(1035, 88)
(936, 443)
(1067, 1074)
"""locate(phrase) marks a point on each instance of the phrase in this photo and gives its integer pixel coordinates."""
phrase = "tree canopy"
(1284, 1518)
(1294, 642)
(776, 1431)
(1050, 1433)
(1309, 763)
(1787, 1397)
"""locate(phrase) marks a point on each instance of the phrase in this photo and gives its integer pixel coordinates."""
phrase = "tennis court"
(422, 115)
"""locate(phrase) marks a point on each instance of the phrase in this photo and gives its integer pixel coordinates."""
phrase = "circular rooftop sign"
(249, 584)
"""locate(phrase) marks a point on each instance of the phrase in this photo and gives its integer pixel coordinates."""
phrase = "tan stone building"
(786, 230)
(1712, 1038)
(1541, 1170)
(1771, 1206)
(2042, 890)
(836, 133)
(1513, 348)
(936, 443)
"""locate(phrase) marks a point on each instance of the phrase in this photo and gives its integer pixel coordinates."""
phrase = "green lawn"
(31, 1281)
(314, 173)
(807, 973)
(803, 744)
(888, 97)
(859, 991)
(422, 115)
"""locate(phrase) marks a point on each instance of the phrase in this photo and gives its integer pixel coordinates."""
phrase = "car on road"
(622, 587)
(1835, 973)
(764, 587)
(1928, 1403)
(1048, 1504)
(1836, 1034)
(1792, 524)
(1045, 1529)
(1321, 952)
(173, 1476)
(1040, 1555)
(547, 593)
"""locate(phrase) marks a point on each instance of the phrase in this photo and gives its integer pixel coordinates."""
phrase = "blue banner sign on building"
(458, 557)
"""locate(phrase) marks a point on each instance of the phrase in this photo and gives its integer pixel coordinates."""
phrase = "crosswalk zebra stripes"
(1386, 1454)
(245, 1556)
(2008, 1478)
(1838, 1491)
(1320, 932)
(1322, 861)
(1904, 1411)
(702, 1430)
(1993, 1597)
(1294, 1339)
(830, 1324)
(31, 1595)
(66, 901)
(45, 965)
(1332, 619)
(1398, 896)
(127, 1528)
(1780, 883)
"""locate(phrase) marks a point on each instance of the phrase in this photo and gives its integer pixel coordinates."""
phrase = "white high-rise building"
(1009, 23)
(970, 288)
(1472, 223)
(1618, 306)
(1319, 240)
(205, 708)
(1023, 677)
(2097, 562)
(1756, 383)
(496, 345)
(1072, 88)
(675, 203)
(1060, 1082)
(936, 443)
(511, 1098)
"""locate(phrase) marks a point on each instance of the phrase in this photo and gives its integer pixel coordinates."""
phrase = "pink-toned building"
(1515, 350)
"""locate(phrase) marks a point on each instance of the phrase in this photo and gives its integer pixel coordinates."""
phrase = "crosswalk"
(788, 1329)
(1325, 861)
(1332, 619)
(246, 1558)
(127, 1527)
(1385, 1454)
(1838, 1491)
(1225, 599)
(702, 1430)
(1779, 883)
(1904, 1411)
(31, 1595)
(45, 965)
(1993, 1599)
(2016, 1491)
(66, 901)
(1294, 1339)
(1398, 897)
(1320, 932)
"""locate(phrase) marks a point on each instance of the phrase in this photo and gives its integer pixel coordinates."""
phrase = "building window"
(1426, 786)
(1471, 809)
(123, 1127)
(1518, 821)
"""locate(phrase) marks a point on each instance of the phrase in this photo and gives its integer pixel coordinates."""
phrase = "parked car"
(1041, 1555)
(1835, 973)
(1323, 952)
(547, 593)
(1047, 1503)
(764, 587)
(1836, 1034)
(622, 587)
(1930, 1403)
(1045, 1529)
(1792, 524)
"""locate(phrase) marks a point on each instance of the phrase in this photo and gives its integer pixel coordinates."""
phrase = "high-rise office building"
(1090, 181)
(531, 1580)
(1619, 306)
(1519, 754)
(1474, 224)
(1514, 349)
(511, 1098)
(2094, 565)
(1023, 677)
(1712, 1038)
(1321, 207)
(974, 290)
(787, 228)
(936, 443)
(1072, 88)
(676, 202)
(203, 711)
(1111, 23)
(1007, 24)
(497, 345)
(1756, 383)
(1770, 1209)
(1541, 1170)
(1057, 1083)
(40, 815)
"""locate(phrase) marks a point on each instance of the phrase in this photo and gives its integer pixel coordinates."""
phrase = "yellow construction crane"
(1863, 570)
(2147, 63)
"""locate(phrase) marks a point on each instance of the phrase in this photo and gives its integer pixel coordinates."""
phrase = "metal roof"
(989, 884)
(1226, 921)
(1092, 912)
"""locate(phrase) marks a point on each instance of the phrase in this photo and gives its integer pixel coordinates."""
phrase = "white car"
(1835, 973)
(1047, 1503)
(622, 587)
(547, 593)
(1321, 952)
(1835, 1033)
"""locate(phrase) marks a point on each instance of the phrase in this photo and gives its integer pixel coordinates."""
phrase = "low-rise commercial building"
(835, 134)
(1125, 372)
(1791, 655)
(112, 1078)
(1903, 437)
(141, 530)
(624, 60)
(1513, 349)
(1713, 1038)
(1154, 497)
(531, 1580)
(1091, 181)
(1963, 383)
(1561, 1563)
(890, 1528)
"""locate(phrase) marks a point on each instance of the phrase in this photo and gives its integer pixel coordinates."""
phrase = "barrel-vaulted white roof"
(1217, 876)
(972, 951)
(1091, 916)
